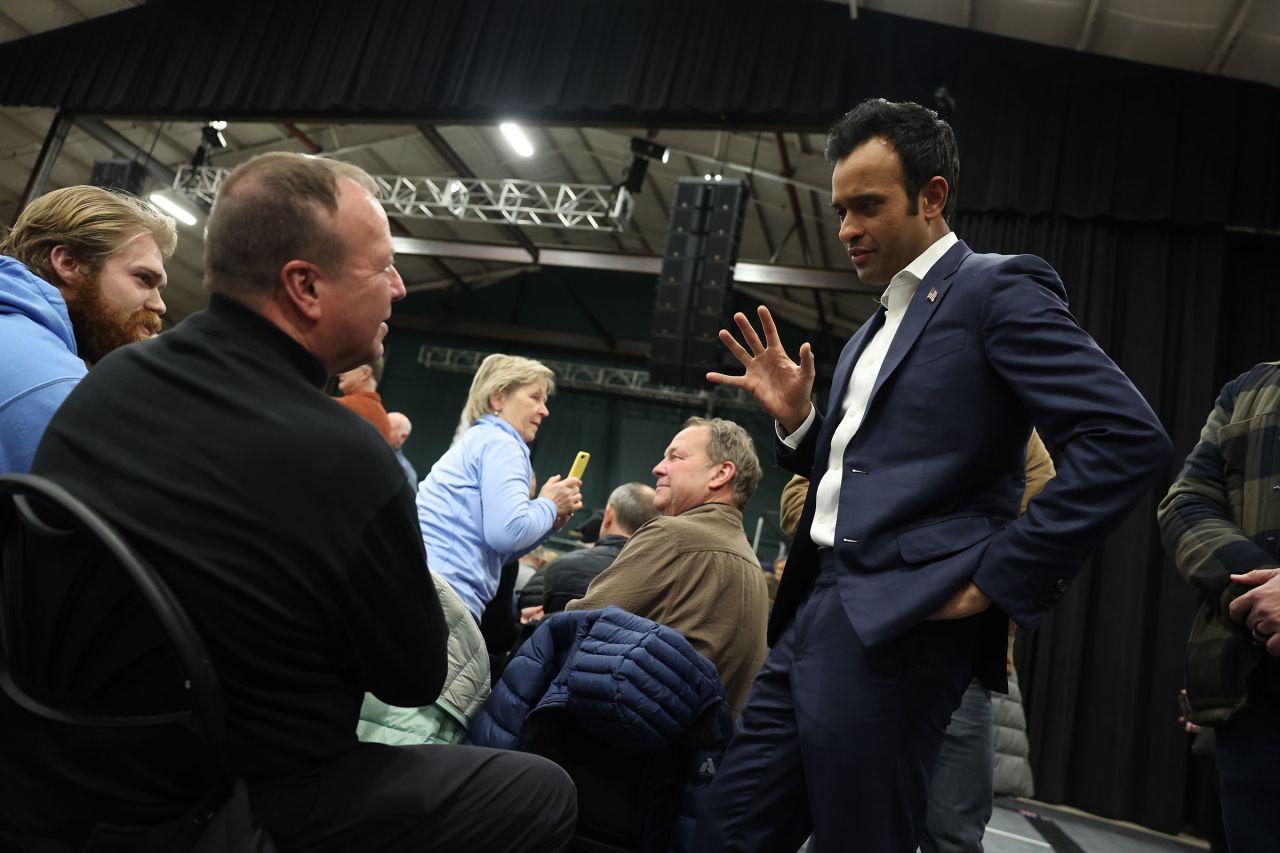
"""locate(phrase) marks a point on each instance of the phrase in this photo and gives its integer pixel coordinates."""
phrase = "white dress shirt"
(895, 299)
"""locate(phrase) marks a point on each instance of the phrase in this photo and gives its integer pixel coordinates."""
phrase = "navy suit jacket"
(932, 479)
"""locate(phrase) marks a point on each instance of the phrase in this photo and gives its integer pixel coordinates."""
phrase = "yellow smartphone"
(579, 464)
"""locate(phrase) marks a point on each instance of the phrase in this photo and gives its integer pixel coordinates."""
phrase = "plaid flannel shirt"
(1222, 517)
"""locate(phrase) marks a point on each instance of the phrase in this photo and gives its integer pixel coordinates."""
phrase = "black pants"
(415, 799)
(1248, 756)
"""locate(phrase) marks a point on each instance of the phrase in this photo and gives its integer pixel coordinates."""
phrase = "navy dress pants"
(837, 739)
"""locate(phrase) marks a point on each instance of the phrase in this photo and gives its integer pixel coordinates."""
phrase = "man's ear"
(299, 281)
(933, 197)
(70, 272)
(722, 474)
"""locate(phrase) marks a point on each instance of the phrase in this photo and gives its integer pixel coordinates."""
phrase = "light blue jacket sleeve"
(25, 419)
(512, 523)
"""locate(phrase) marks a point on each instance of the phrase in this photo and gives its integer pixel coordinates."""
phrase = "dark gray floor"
(1010, 831)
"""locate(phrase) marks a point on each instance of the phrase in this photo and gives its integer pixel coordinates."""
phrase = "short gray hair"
(501, 374)
(728, 442)
(632, 505)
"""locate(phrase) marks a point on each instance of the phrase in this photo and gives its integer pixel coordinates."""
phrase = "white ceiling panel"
(1055, 22)
(951, 12)
(1170, 42)
(1255, 57)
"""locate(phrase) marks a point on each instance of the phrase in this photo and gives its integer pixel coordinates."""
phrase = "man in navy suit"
(910, 554)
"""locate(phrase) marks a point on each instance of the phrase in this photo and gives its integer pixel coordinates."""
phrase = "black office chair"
(627, 802)
(90, 636)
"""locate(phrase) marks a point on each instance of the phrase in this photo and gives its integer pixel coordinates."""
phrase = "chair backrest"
(626, 801)
(89, 635)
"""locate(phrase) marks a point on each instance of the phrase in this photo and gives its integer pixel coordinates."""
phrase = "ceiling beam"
(49, 152)
(1228, 37)
(308, 143)
(794, 199)
(123, 147)
(70, 10)
(1089, 26)
(772, 275)
(19, 31)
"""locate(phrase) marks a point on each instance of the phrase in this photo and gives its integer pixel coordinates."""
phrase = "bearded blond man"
(81, 273)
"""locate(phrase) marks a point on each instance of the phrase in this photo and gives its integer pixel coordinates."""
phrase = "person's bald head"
(400, 429)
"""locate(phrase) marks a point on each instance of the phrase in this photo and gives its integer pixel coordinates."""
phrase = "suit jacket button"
(1062, 585)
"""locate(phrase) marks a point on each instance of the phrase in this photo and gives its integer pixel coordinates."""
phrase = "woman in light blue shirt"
(474, 507)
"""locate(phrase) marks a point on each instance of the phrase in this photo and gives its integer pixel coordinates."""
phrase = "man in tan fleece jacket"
(692, 568)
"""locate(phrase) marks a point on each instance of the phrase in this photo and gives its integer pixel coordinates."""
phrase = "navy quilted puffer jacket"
(627, 680)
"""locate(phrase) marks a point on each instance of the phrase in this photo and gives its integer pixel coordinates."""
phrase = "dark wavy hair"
(926, 145)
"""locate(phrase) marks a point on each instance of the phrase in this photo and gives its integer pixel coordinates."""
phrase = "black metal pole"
(44, 163)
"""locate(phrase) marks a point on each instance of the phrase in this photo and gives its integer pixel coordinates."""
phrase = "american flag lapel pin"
(933, 294)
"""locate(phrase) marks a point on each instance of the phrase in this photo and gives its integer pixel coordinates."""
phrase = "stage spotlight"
(210, 138)
(641, 147)
(642, 151)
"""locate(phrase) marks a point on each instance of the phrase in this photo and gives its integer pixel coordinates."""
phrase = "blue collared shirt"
(475, 513)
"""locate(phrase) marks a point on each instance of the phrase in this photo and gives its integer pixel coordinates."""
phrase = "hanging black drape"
(1180, 309)
(1042, 129)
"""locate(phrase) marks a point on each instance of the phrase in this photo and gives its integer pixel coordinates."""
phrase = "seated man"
(286, 529)
(692, 568)
(80, 274)
(567, 577)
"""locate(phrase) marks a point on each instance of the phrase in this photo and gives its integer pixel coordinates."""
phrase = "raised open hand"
(780, 385)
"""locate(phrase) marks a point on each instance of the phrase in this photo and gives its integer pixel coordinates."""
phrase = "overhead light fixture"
(649, 149)
(516, 139)
(210, 138)
(172, 208)
(642, 151)
(211, 134)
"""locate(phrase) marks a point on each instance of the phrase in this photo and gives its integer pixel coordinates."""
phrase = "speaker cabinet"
(694, 296)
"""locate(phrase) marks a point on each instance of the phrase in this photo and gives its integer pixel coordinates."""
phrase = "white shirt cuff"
(793, 441)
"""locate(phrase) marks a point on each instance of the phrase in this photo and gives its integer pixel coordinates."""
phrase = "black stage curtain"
(1044, 130)
(1181, 310)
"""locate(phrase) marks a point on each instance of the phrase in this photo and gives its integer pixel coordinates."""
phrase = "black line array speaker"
(694, 293)
(126, 175)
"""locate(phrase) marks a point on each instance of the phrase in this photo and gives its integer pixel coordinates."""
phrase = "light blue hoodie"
(38, 362)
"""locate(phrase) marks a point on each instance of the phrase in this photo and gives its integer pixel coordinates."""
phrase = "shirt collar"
(903, 285)
(494, 420)
(233, 317)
